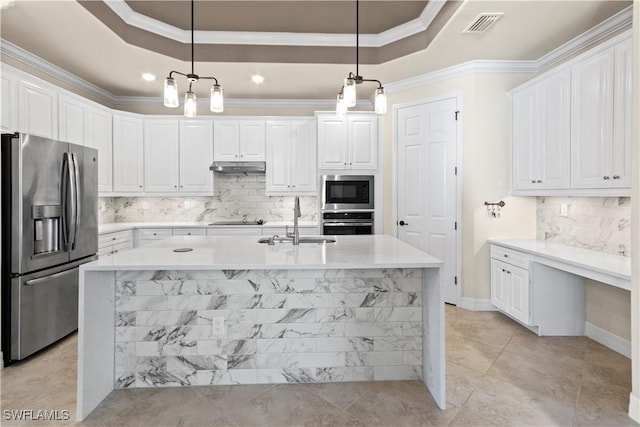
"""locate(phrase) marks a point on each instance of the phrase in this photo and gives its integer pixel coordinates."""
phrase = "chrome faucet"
(296, 214)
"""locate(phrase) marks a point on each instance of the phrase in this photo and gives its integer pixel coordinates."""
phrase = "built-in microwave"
(347, 192)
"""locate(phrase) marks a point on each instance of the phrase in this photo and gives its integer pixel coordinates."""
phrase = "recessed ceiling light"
(148, 77)
(257, 79)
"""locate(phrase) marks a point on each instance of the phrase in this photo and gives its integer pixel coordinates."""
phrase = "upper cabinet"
(98, 133)
(72, 113)
(8, 103)
(196, 155)
(291, 156)
(238, 140)
(350, 142)
(38, 106)
(572, 126)
(128, 154)
(161, 140)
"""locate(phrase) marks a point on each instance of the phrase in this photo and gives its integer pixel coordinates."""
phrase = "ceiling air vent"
(483, 22)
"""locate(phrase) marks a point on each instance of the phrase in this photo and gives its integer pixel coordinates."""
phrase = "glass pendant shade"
(171, 93)
(341, 106)
(381, 101)
(349, 92)
(217, 99)
(190, 105)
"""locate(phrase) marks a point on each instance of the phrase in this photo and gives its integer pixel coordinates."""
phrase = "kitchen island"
(234, 311)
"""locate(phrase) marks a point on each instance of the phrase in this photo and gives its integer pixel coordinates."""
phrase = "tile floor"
(498, 373)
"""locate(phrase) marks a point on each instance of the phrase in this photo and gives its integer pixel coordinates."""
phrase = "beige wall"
(486, 169)
(608, 308)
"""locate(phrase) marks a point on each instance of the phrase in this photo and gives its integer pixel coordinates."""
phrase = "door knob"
(402, 223)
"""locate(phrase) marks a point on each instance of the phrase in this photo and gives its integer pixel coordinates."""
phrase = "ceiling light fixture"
(171, 88)
(257, 79)
(347, 96)
(148, 77)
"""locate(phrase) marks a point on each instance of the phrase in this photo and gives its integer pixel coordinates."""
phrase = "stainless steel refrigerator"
(49, 228)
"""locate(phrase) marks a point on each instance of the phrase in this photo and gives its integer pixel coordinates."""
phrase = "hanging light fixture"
(347, 97)
(171, 99)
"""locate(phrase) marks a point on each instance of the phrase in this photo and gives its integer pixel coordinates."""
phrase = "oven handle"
(346, 224)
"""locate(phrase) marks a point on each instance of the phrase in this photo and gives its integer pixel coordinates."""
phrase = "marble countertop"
(601, 262)
(121, 226)
(245, 253)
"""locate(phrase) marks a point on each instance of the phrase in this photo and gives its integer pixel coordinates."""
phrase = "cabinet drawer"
(154, 233)
(510, 256)
(189, 232)
(113, 238)
(122, 247)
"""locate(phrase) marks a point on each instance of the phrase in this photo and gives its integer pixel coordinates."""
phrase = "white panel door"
(8, 103)
(225, 141)
(427, 188)
(622, 113)
(363, 142)
(518, 282)
(72, 119)
(553, 145)
(305, 165)
(278, 167)
(499, 289)
(161, 151)
(196, 155)
(38, 109)
(525, 137)
(252, 140)
(592, 121)
(98, 131)
(128, 154)
(332, 143)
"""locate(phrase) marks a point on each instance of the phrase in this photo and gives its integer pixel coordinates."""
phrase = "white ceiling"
(72, 38)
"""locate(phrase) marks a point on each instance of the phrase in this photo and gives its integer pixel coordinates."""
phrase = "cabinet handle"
(188, 234)
(155, 234)
(539, 181)
(616, 176)
(241, 155)
(113, 238)
(533, 181)
(288, 186)
(115, 252)
(605, 177)
(141, 186)
(182, 186)
(293, 186)
(506, 256)
(508, 272)
(503, 270)
(236, 156)
(175, 186)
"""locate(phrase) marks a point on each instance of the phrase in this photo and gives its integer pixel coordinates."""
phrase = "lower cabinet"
(150, 235)
(510, 287)
(189, 232)
(112, 243)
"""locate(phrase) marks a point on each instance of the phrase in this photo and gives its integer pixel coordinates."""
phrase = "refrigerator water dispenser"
(46, 226)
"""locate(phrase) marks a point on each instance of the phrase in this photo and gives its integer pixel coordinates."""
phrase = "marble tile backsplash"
(236, 196)
(598, 223)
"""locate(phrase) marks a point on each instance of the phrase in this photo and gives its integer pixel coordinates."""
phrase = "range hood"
(231, 167)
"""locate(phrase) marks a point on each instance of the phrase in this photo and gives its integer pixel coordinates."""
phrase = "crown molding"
(243, 102)
(11, 50)
(146, 23)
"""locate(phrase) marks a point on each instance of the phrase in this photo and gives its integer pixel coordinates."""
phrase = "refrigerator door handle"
(69, 201)
(78, 203)
(48, 278)
(65, 200)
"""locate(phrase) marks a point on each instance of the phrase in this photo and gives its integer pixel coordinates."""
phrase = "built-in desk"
(542, 284)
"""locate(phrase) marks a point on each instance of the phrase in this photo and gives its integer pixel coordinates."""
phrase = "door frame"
(458, 96)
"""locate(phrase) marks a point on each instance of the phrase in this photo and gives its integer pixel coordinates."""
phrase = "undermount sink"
(303, 239)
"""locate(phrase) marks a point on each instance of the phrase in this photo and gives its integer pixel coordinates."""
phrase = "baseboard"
(606, 338)
(477, 304)
(634, 408)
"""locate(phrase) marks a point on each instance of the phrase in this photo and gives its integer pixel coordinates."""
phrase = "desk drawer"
(519, 259)
(154, 233)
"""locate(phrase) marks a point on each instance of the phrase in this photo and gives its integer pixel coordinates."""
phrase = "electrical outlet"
(145, 205)
(217, 326)
(187, 204)
(564, 209)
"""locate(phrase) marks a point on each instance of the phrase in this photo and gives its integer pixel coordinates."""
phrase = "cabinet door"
(72, 119)
(332, 143)
(128, 159)
(225, 141)
(553, 145)
(592, 121)
(38, 109)
(525, 128)
(9, 103)
(161, 139)
(304, 170)
(622, 113)
(278, 173)
(499, 295)
(363, 142)
(196, 155)
(518, 282)
(252, 140)
(98, 131)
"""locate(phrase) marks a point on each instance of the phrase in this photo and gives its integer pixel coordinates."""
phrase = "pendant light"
(347, 97)
(171, 99)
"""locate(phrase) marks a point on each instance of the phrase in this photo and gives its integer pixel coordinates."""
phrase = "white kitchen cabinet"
(189, 231)
(510, 289)
(238, 140)
(541, 138)
(128, 154)
(622, 115)
(291, 157)
(99, 135)
(38, 106)
(8, 103)
(113, 243)
(350, 142)
(72, 117)
(161, 150)
(144, 236)
(196, 155)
